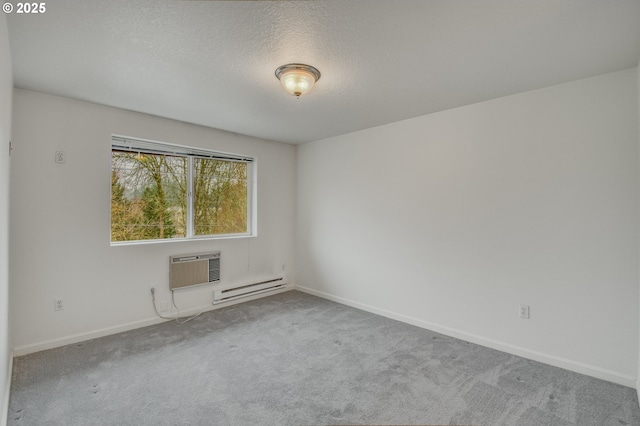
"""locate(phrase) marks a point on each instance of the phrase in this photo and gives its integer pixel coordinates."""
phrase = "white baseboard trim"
(81, 337)
(589, 370)
(7, 390)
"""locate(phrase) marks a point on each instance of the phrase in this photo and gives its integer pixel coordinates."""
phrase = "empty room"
(321, 212)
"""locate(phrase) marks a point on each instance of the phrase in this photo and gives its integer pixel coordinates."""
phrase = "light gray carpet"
(294, 359)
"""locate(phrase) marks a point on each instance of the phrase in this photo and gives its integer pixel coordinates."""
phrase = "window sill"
(180, 240)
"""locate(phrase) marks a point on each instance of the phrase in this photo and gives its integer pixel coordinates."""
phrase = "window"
(163, 192)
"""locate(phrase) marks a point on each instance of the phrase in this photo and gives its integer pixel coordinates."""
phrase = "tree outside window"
(150, 196)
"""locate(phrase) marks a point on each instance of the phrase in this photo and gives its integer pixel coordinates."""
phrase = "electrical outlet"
(164, 306)
(61, 157)
(524, 311)
(58, 304)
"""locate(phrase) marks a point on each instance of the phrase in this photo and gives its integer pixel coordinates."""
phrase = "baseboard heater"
(245, 290)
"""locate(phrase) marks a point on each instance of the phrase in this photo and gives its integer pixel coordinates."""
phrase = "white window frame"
(125, 143)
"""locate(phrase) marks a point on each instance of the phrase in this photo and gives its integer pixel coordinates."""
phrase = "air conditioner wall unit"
(188, 270)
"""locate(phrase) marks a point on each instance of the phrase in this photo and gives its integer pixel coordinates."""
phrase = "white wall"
(638, 100)
(451, 220)
(6, 88)
(60, 222)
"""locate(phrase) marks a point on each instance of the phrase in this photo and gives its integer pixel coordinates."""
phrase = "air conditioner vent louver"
(214, 270)
(188, 270)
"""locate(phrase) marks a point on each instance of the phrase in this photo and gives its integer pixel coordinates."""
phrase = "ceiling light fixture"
(297, 79)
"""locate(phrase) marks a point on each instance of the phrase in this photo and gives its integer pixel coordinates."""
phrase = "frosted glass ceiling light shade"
(297, 79)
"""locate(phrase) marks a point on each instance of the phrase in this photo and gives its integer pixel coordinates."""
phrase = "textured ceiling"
(212, 62)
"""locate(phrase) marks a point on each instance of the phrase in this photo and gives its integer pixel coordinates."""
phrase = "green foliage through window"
(150, 196)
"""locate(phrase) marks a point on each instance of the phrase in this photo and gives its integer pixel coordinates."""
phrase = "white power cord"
(176, 318)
